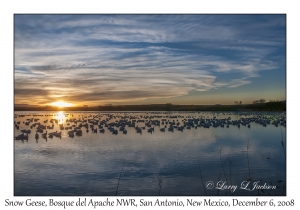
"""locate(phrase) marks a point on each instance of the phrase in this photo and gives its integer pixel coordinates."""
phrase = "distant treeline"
(270, 106)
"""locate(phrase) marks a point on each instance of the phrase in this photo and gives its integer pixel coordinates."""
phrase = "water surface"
(91, 164)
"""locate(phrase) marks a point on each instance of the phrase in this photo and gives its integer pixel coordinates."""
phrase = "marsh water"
(196, 160)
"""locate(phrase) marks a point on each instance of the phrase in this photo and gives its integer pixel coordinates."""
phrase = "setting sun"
(61, 104)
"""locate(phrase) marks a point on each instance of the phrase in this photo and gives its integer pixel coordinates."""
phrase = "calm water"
(91, 164)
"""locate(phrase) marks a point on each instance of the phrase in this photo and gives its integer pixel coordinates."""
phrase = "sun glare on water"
(60, 117)
(61, 104)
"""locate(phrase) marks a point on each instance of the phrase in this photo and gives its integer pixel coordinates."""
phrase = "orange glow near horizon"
(61, 104)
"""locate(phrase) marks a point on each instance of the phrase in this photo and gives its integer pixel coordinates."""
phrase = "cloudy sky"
(144, 59)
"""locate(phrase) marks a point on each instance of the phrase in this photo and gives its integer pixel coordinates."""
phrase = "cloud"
(30, 92)
(114, 87)
(238, 82)
(134, 56)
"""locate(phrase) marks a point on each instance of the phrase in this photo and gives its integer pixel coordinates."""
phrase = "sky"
(149, 59)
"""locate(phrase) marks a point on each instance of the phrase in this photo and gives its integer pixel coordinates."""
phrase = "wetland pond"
(159, 153)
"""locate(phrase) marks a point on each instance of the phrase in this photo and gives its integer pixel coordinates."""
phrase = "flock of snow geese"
(141, 122)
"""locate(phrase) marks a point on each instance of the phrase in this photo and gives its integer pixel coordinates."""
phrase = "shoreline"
(270, 106)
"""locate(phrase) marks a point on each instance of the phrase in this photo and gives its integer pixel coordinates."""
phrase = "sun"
(61, 104)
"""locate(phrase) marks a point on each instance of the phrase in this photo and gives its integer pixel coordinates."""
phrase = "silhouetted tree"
(262, 101)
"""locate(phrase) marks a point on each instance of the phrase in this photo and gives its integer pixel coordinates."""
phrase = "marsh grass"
(282, 144)
(202, 178)
(230, 162)
(222, 165)
(159, 180)
(249, 175)
(218, 191)
(282, 186)
(119, 179)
